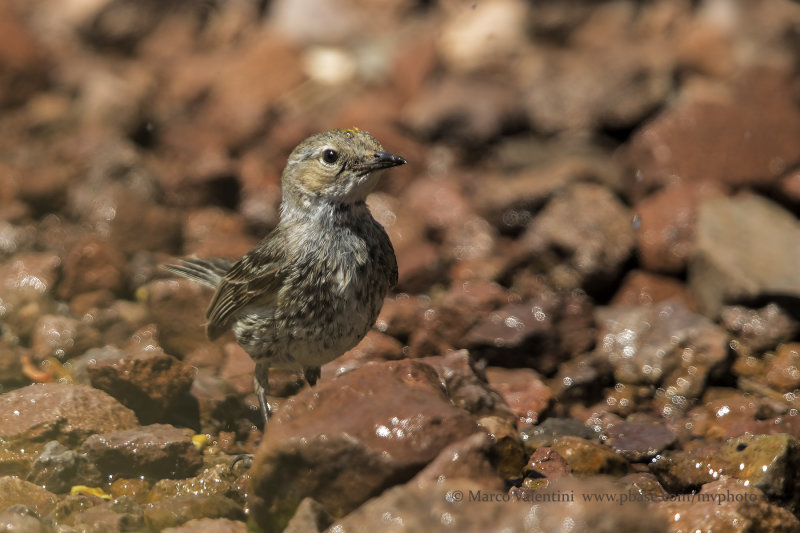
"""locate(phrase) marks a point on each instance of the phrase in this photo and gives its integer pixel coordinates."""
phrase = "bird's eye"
(330, 156)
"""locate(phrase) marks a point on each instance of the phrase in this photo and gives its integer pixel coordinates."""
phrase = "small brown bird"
(313, 287)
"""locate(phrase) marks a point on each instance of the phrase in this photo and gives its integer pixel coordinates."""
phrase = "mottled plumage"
(314, 286)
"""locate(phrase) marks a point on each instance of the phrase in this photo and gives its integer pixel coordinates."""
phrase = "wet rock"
(209, 525)
(58, 468)
(92, 264)
(62, 337)
(642, 484)
(217, 479)
(180, 510)
(766, 462)
(783, 372)
(220, 405)
(664, 344)
(21, 518)
(397, 420)
(745, 250)
(471, 458)
(465, 385)
(639, 441)
(401, 315)
(510, 454)
(759, 330)
(156, 451)
(644, 288)
(149, 383)
(11, 357)
(539, 333)
(581, 380)
(587, 458)
(665, 239)
(677, 143)
(122, 514)
(581, 239)
(548, 463)
(310, 517)
(730, 505)
(523, 390)
(26, 282)
(15, 491)
(374, 347)
(68, 413)
(546, 433)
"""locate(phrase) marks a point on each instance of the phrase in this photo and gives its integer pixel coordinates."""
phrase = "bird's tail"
(206, 271)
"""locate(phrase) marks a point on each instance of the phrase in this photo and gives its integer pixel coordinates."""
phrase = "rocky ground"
(597, 320)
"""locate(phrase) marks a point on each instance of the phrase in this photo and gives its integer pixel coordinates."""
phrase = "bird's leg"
(312, 374)
(261, 387)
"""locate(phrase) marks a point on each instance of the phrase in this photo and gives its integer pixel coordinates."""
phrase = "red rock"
(395, 420)
(178, 308)
(547, 462)
(470, 458)
(212, 232)
(62, 337)
(783, 372)
(523, 390)
(745, 138)
(644, 288)
(23, 61)
(665, 238)
(156, 451)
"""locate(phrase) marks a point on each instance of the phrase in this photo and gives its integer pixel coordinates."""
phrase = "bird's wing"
(256, 276)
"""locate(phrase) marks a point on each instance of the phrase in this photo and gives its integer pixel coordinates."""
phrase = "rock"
(69, 413)
(309, 517)
(665, 239)
(209, 525)
(523, 390)
(149, 383)
(21, 518)
(23, 61)
(587, 458)
(156, 451)
(92, 264)
(639, 441)
(681, 141)
(730, 505)
(122, 514)
(746, 249)
(765, 462)
(58, 468)
(182, 509)
(546, 433)
(548, 463)
(397, 420)
(218, 479)
(471, 458)
(26, 284)
(213, 232)
(581, 239)
(178, 308)
(644, 288)
(62, 337)
(783, 372)
(664, 344)
(14, 491)
(375, 347)
(759, 330)
(509, 451)
(538, 333)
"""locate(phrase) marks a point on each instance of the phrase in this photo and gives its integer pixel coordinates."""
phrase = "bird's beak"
(385, 160)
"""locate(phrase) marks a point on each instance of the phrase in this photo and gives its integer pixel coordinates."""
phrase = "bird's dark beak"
(386, 160)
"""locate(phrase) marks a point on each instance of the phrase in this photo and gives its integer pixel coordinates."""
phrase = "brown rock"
(639, 441)
(470, 459)
(62, 337)
(14, 491)
(644, 288)
(396, 420)
(178, 308)
(68, 413)
(759, 330)
(730, 505)
(586, 458)
(581, 239)
(375, 347)
(665, 239)
(149, 383)
(783, 372)
(156, 451)
(23, 61)
(92, 264)
(682, 141)
(20, 518)
(209, 525)
(26, 284)
(746, 248)
(310, 517)
(212, 232)
(523, 390)
(181, 510)
(547, 462)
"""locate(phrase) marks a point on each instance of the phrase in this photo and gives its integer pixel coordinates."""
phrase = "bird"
(313, 287)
